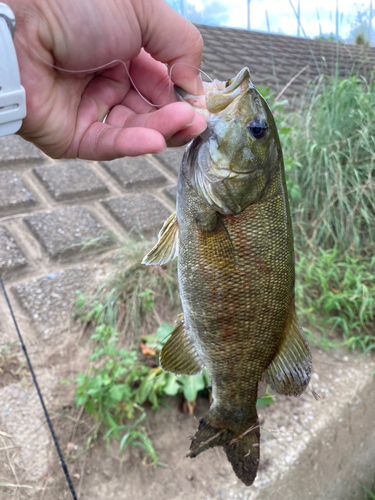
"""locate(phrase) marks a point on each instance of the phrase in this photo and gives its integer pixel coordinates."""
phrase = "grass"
(135, 297)
(369, 494)
(337, 293)
(329, 150)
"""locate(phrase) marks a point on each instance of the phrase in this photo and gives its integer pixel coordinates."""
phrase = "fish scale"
(233, 236)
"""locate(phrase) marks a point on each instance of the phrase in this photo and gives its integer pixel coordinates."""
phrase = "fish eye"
(257, 127)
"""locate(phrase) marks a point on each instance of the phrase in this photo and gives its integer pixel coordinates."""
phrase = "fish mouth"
(234, 83)
(217, 95)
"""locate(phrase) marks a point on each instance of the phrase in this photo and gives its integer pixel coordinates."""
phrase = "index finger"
(172, 40)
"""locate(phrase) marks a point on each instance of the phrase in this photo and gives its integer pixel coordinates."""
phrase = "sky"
(283, 20)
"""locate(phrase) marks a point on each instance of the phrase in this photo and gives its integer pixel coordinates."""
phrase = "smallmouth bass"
(233, 236)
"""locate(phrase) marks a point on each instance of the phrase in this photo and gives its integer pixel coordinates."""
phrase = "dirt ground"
(291, 429)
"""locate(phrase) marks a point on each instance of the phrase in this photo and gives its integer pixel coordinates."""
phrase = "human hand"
(65, 110)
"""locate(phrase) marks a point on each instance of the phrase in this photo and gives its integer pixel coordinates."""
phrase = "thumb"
(172, 40)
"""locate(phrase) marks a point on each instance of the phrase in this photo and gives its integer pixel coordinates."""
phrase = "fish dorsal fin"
(166, 248)
(179, 355)
(290, 370)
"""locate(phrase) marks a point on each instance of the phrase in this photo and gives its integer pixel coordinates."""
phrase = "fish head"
(232, 163)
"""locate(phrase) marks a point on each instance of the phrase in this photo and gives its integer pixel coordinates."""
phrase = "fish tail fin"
(242, 448)
(243, 453)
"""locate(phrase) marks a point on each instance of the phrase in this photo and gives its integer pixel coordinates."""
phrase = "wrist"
(12, 94)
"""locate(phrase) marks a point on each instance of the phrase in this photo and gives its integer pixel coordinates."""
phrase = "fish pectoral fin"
(290, 370)
(179, 355)
(166, 248)
(215, 238)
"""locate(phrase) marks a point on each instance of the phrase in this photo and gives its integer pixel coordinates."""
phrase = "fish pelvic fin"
(242, 448)
(290, 371)
(179, 355)
(214, 237)
(166, 248)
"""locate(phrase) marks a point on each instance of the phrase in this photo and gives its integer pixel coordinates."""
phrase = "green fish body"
(233, 237)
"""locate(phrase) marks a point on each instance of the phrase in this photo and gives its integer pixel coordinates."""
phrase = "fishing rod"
(58, 449)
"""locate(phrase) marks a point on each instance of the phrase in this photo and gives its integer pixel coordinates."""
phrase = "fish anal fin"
(290, 370)
(179, 355)
(166, 248)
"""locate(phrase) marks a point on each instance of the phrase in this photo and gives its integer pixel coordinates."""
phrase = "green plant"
(117, 383)
(329, 152)
(136, 435)
(168, 383)
(109, 391)
(369, 495)
(134, 297)
(338, 292)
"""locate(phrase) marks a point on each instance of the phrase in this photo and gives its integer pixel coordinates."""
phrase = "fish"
(232, 234)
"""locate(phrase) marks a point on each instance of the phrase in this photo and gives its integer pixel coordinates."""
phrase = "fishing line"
(128, 73)
(62, 461)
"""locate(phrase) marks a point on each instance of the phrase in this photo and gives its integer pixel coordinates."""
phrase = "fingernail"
(192, 123)
(157, 151)
(199, 89)
(195, 134)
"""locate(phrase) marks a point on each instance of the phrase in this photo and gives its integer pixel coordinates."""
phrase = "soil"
(29, 462)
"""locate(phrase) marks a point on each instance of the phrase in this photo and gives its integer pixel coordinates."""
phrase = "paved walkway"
(56, 216)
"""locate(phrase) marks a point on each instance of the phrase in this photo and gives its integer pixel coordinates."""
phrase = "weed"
(134, 297)
(329, 148)
(329, 158)
(168, 383)
(370, 495)
(338, 292)
(109, 390)
(117, 383)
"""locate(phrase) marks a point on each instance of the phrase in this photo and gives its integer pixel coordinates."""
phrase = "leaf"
(163, 332)
(82, 379)
(265, 400)
(172, 386)
(206, 377)
(80, 399)
(116, 392)
(191, 385)
(123, 441)
(146, 388)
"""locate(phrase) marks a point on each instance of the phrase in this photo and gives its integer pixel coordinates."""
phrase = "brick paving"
(135, 173)
(138, 212)
(11, 257)
(69, 180)
(67, 230)
(68, 212)
(14, 150)
(48, 300)
(14, 196)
